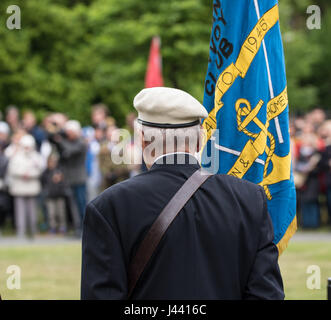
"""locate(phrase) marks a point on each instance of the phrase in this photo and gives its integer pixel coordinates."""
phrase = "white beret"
(72, 125)
(168, 108)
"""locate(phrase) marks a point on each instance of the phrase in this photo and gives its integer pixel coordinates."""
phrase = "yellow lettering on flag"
(246, 56)
(277, 105)
(253, 42)
(224, 83)
(248, 155)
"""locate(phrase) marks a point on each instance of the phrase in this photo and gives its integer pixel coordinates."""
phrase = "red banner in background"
(154, 69)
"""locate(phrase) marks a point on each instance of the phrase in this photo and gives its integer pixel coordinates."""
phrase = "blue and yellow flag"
(246, 98)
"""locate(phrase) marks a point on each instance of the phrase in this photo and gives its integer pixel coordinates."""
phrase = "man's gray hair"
(168, 140)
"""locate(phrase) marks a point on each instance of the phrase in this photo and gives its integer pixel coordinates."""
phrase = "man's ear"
(143, 142)
(200, 139)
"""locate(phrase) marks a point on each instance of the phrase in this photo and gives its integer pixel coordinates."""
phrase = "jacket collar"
(177, 160)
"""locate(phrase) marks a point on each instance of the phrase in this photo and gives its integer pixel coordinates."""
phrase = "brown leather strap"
(161, 224)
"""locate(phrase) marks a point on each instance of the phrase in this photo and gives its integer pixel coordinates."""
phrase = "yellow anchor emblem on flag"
(257, 145)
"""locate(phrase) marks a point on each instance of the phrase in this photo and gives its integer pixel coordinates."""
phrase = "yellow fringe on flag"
(283, 243)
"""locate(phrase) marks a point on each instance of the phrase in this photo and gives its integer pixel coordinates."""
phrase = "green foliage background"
(70, 54)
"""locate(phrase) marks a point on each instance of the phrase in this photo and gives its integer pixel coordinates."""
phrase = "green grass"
(53, 271)
(294, 263)
(47, 272)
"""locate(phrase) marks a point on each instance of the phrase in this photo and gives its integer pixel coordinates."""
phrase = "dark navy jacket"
(218, 247)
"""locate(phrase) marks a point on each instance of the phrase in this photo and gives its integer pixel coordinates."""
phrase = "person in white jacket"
(24, 170)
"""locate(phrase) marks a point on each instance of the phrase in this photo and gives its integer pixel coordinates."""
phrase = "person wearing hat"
(23, 174)
(175, 231)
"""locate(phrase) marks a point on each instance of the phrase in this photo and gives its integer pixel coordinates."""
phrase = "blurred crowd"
(311, 161)
(49, 172)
